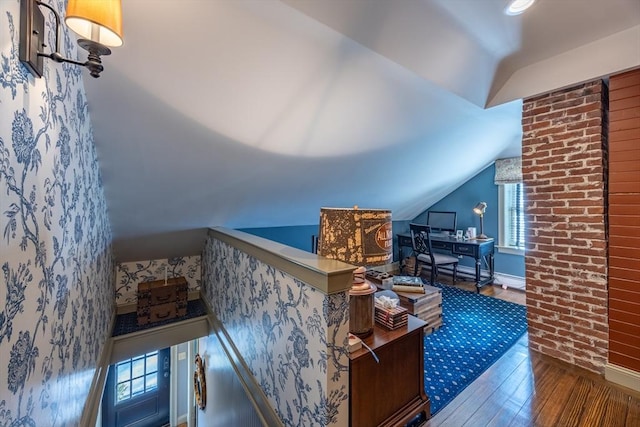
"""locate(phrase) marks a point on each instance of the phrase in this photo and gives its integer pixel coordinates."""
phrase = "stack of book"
(391, 318)
(407, 284)
(427, 306)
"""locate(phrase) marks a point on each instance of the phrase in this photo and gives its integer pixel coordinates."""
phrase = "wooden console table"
(391, 392)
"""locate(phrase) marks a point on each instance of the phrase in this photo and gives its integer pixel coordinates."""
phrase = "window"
(136, 376)
(512, 223)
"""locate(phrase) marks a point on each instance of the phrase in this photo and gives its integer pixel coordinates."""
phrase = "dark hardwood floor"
(526, 388)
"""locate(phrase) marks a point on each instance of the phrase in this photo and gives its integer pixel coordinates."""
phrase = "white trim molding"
(622, 376)
(510, 250)
(509, 281)
(173, 389)
(500, 279)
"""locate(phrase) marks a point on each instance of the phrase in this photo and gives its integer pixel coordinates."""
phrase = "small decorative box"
(391, 318)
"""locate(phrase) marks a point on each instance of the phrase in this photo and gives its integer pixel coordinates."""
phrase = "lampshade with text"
(356, 236)
(361, 237)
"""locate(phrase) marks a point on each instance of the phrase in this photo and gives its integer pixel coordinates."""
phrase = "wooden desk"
(481, 251)
(391, 392)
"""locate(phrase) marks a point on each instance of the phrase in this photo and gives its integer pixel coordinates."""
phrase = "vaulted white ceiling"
(252, 113)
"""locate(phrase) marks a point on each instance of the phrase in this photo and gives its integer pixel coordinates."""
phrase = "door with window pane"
(137, 391)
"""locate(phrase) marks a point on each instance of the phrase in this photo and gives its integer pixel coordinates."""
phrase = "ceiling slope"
(259, 112)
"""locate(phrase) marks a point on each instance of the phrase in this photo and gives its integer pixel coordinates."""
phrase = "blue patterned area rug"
(476, 331)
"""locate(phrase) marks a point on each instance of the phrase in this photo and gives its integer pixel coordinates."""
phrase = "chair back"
(420, 239)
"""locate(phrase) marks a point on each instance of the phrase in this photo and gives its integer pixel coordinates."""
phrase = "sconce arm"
(57, 16)
(93, 63)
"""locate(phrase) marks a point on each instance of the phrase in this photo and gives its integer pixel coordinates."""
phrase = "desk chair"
(422, 251)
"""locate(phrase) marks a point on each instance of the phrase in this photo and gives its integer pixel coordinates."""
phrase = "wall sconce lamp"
(97, 22)
(479, 210)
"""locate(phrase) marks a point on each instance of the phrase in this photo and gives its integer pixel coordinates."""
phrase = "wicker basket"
(409, 266)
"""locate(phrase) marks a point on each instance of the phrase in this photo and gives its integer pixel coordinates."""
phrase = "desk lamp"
(479, 209)
(361, 237)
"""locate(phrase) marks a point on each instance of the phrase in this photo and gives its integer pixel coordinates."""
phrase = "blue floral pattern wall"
(57, 268)
(129, 274)
(292, 336)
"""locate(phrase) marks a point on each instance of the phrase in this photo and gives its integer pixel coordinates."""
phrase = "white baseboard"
(509, 281)
(622, 376)
(500, 279)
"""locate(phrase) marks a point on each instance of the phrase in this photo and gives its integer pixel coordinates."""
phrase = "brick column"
(564, 149)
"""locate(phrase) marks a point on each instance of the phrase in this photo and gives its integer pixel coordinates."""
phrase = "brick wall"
(564, 162)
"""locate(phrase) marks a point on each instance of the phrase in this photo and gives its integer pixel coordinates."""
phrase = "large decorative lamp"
(360, 237)
(479, 210)
(97, 22)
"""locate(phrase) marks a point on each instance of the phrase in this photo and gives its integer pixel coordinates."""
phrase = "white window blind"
(514, 215)
(508, 178)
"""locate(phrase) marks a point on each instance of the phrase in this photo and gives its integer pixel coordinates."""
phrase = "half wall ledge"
(329, 276)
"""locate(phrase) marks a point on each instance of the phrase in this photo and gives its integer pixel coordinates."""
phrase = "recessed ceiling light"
(516, 7)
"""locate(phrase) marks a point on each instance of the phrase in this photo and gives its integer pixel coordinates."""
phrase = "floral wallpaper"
(57, 268)
(129, 274)
(292, 336)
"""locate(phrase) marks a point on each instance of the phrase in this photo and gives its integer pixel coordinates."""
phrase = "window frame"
(130, 378)
(503, 223)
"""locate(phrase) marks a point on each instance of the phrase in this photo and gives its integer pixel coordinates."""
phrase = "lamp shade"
(361, 237)
(96, 20)
(480, 208)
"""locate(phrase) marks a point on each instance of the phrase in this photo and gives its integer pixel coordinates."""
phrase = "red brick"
(586, 202)
(595, 122)
(551, 175)
(574, 165)
(573, 258)
(569, 211)
(569, 195)
(567, 104)
(553, 131)
(585, 108)
(535, 111)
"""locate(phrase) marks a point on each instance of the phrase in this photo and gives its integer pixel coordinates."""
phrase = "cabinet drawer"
(440, 245)
(156, 313)
(163, 295)
(162, 312)
(404, 241)
(465, 250)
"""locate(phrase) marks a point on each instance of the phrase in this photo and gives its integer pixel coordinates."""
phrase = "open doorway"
(137, 391)
(152, 389)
